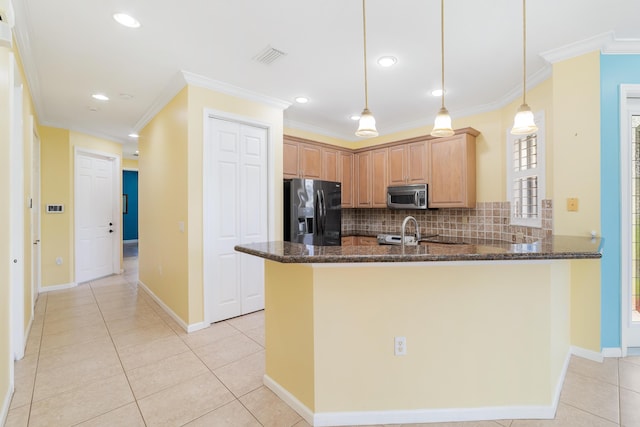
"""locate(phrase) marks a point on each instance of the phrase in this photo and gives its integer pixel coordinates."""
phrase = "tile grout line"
(119, 359)
(35, 375)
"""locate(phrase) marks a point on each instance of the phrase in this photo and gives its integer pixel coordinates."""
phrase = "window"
(525, 175)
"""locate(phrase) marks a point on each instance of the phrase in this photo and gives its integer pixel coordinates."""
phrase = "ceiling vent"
(269, 55)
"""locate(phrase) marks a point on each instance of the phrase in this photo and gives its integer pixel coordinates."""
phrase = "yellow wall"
(57, 177)
(129, 164)
(163, 198)
(290, 320)
(472, 341)
(5, 228)
(170, 187)
(199, 100)
(56, 188)
(576, 148)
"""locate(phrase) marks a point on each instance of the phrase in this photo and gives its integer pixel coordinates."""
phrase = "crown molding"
(226, 88)
(23, 46)
(183, 78)
(315, 129)
(175, 85)
(607, 43)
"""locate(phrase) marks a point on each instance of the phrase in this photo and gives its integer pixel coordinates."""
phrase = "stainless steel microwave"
(412, 196)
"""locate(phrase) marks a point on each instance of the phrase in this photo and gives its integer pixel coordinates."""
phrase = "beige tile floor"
(105, 354)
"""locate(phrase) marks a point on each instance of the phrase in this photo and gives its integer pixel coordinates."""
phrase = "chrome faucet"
(404, 226)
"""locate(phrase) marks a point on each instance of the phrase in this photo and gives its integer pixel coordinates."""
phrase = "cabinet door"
(417, 162)
(363, 179)
(398, 165)
(310, 160)
(346, 178)
(367, 241)
(330, 165)
(290, 159)
(452, 180)
(347, 241)
(379, 177)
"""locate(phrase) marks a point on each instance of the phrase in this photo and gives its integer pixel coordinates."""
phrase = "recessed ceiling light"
(437, 92)
(134, 135)
(126, 20)
(100, 97)
(387, 61)
(355, 117)
(302, 99)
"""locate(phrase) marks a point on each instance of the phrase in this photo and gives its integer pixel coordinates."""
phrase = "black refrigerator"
(312, 212)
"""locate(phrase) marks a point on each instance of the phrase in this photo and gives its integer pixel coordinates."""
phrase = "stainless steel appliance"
(411, 196)
(312, 212)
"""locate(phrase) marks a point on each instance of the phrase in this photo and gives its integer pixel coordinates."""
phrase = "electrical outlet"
(572, 204)
(400, 346)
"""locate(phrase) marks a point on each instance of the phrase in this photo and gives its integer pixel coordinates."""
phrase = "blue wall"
(130, 219)
(614, 70)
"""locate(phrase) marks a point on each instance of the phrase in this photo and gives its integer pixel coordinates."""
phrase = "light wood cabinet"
(408, 163)
(345, 160)
(379, 160)
(301, 160)
(347, 241)
(330, 165)
(363, 179)
(366, 241)
(452, 166)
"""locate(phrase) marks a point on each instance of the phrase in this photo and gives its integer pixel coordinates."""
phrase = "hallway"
(105, 354)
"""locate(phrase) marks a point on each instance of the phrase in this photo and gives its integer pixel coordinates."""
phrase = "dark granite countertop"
(556, 247)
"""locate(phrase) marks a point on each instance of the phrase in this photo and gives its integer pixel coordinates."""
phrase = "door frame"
(627, 91)
(116, 204)
(36, 213)
(207, 206)
(17, 211)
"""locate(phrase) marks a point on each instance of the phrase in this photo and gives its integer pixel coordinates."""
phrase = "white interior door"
(95, 212)
(35, 215)
(235, 212)
(17, 207)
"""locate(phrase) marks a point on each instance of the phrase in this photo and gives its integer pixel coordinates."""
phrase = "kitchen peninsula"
(487, 328)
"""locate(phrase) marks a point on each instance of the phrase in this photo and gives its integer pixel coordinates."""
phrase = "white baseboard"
(189, 328)
(415, 416)
(57, 287)
(5, 405)
(587, 354)
(289, 399)
(612, 352)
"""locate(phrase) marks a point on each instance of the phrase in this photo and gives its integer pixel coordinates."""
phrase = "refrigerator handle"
(324, 213)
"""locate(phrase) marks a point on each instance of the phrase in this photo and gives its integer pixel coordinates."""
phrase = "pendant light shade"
(367, 125)
(442, 126)
(524, 123)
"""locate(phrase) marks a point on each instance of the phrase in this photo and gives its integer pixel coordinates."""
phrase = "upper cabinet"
(448, 165)
(452, 171)
(371, 178)
(301, 160)
(307, 159)
(408, 163)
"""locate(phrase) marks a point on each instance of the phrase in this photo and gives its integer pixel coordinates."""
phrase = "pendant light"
(367, 125)
(442, 126)
(523, 123)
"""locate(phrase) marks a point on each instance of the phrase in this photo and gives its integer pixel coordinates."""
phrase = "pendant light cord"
(364, 34)
(442, 46)
(524, 52)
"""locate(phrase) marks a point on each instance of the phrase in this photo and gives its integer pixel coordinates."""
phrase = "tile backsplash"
(488, 220)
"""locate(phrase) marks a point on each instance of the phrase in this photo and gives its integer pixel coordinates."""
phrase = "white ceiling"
(74, 48)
